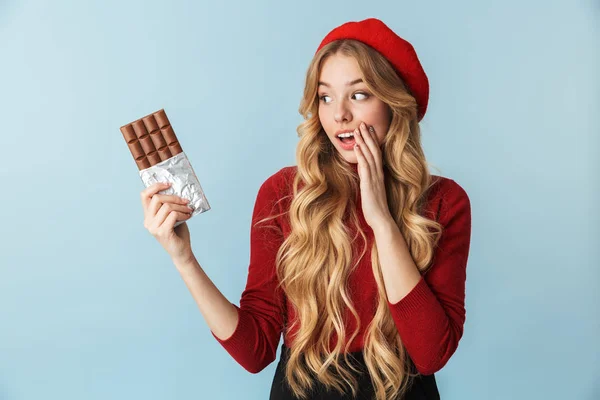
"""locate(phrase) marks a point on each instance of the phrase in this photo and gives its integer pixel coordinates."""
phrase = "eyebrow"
(350, 83)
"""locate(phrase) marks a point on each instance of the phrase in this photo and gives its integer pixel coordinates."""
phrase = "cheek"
(382, 117)
(384, 125)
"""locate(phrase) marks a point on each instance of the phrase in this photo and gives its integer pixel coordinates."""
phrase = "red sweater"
(429, 318)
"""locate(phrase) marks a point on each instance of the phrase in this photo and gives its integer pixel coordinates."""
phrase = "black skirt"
(423, 388)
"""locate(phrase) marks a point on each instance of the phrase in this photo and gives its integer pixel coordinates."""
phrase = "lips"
(347, 143)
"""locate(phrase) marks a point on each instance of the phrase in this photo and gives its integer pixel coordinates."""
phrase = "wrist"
(185, 261)
(386, 226)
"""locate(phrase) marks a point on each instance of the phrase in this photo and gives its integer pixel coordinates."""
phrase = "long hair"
(314, 262)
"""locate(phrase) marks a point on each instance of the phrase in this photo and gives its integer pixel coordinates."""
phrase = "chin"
(351, 158)
(348, 155)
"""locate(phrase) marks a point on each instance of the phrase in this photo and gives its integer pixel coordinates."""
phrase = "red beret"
(396, 50)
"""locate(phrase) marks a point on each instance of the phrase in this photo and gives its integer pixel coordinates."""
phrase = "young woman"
(358, 254)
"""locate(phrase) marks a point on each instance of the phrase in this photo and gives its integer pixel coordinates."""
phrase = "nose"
(342, 112)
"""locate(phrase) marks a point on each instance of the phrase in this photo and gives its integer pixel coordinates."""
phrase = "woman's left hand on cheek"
(370, 171)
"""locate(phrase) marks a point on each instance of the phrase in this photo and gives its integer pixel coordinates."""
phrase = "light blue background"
(91, 306)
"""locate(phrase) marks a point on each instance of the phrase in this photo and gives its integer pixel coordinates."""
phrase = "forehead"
(338, 69)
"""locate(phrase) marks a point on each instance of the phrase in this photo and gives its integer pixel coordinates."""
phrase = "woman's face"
(345, 102)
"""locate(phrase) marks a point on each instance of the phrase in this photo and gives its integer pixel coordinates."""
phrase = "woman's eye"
(365, 96)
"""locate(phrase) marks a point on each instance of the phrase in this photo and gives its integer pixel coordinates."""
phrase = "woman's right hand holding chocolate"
(161, 212)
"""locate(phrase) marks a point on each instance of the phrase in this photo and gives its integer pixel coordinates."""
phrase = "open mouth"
(347, 142)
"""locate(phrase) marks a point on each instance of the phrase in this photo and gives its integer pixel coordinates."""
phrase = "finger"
(169, 222)
(164, 211)
(179, 207)
(157, 218)
(171, 219)
(368, 136)
(365, 149)
(151, 190)
(159, 199)
(362, 162)
(171, 198)
(376, 150)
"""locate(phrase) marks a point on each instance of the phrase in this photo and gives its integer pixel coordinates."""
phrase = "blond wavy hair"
(314, 262)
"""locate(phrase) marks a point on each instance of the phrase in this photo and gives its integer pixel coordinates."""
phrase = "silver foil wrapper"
(179, 172)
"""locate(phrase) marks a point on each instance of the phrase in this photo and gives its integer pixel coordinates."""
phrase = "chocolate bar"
(151, 139)
(160, 158)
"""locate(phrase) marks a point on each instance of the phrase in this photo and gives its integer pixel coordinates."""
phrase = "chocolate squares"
(151, 139)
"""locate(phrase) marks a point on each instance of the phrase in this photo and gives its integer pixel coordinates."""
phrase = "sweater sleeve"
(254, 342)
(430, 318)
